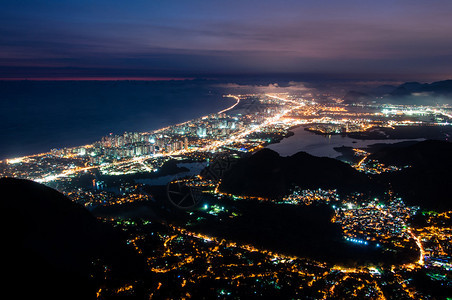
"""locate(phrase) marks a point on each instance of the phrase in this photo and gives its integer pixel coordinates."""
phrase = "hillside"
(266, 174)
(406, 93)
(427, 153)
(427, 181)
(439, 88)
(56, 248)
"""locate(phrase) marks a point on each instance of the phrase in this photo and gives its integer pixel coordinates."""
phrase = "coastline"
(48, 114)
(86, 140)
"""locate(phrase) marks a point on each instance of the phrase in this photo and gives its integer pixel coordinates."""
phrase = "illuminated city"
(235, 267)
(226, 149)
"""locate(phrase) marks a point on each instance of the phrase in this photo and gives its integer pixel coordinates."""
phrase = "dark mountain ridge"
(266, 174)
(426, 182)
(437, 87)
(408, 92)
(427, 153)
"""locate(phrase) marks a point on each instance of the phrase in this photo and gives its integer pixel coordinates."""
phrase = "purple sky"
(155, 38)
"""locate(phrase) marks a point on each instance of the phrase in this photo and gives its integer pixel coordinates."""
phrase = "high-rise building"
(201, 131)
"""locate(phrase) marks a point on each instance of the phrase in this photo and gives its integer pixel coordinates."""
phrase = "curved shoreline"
(231, 107)
(141, 132)
(183, 123)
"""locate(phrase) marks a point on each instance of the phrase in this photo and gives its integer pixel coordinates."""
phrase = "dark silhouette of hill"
(407, 88)
(354, 97)
(439, 87)
(427, 153)
(382, 90)
(266, 174)
(427, 181)
(421, 93)
(367, 94)
(55, 249)
(408, 92)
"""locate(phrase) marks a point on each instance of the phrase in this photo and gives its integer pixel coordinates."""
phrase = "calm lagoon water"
(320, 145)
(194, 169)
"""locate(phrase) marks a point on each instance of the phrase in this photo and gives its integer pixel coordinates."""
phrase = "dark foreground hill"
(54, 248)
(426, 182)
(266, 174)
(429, 153)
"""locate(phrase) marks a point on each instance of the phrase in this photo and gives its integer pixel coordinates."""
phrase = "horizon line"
(95, 78)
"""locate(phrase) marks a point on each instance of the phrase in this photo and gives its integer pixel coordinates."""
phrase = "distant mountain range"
(409, 92)
(436, 88)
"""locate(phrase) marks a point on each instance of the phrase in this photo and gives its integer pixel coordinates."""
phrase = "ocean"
(36, 116)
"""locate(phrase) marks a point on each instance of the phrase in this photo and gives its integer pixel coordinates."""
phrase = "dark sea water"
(36, 116)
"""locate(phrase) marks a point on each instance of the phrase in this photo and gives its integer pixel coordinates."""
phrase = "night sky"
(166, 38)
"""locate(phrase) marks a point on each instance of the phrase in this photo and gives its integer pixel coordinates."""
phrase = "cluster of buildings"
(376, 223)
(340, 126)
(137, 144)
(43, 166)
(101, 195)
(307, 197)
(372, 166)
(436, 237)
(187, 264)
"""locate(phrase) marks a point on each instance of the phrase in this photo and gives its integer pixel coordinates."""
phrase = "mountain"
(435, 88)
(439, 92)
(354, 97)
(407, 88)
(266, 174)
(383, 90)
(368, 94)
(55, 248)
(408, 93)
(426, 182)
(425, 154)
